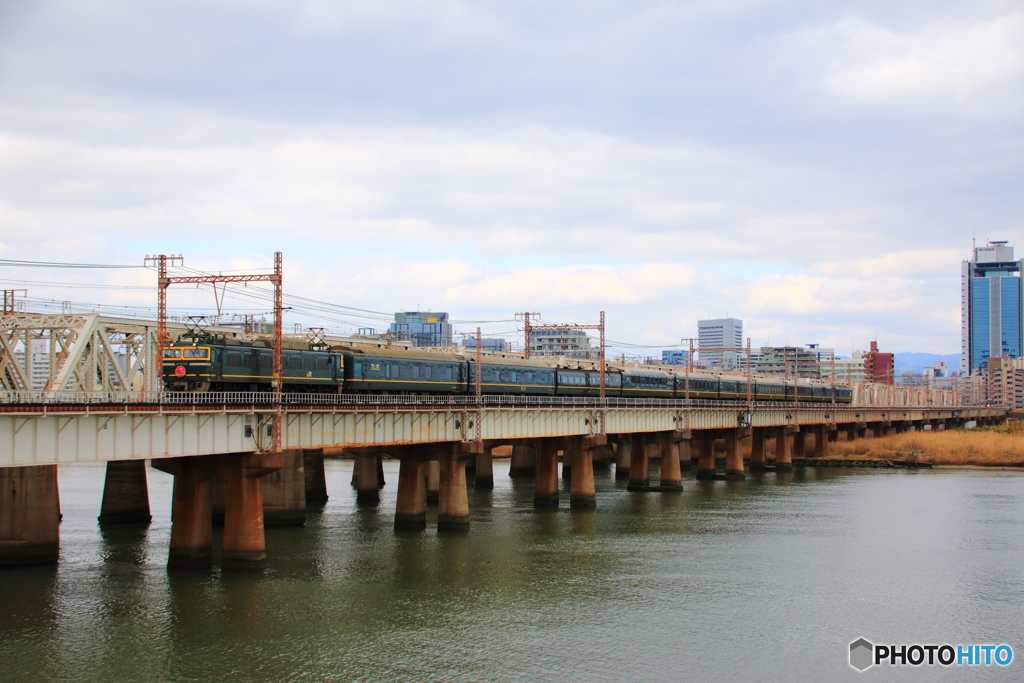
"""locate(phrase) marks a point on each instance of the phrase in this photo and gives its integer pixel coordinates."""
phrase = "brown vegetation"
(990, 446)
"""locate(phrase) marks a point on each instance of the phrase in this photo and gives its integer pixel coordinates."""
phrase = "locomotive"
(221, 364)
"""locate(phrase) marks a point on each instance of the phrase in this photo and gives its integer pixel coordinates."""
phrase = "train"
(219, 364)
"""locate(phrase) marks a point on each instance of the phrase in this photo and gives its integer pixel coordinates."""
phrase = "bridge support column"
(671, 472)
(411, 506)
(368, 489)
(284, 492)
(757, 450)
(566, 461)
(820, 441)
(484, 471)
(733, 460)
(799, 443)
(545, 489)
(583, 492)
(380, 470)
(29, 515)
(316, 477)
(685, 448)
(191, 511)
(623, 456)
(433, 471)
(706, 456)
(639, 463)
(125, 493)
(453, 501)
(851, 431)
(783, 451)
(524, 461)
(245, 547)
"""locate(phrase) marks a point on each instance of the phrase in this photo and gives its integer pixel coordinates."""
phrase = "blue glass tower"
(990, 300)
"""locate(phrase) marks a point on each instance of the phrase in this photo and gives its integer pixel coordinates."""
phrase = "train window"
(448, 372)
(415, 372)
(515, 375)
(195, 353)
(172, 353)
(387, 371)
(427, 372)
(528, 377)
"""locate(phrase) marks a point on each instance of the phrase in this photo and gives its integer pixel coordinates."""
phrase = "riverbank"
(1001, 446)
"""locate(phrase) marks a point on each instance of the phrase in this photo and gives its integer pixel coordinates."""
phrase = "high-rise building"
(879, 367)
(427, 328)
(991, 317)
(674, 357)
(719, 333)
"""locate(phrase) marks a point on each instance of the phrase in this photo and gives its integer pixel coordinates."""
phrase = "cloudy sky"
(817, 169)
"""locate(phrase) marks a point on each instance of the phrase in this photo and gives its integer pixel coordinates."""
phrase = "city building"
(991, 317)
(879, 367)
(674, 357)
(1006, 381)
(847, 370)
(486, 344)
(566, 341)
(427, 328)
(786, 361)
(38, 367)
(719, 333)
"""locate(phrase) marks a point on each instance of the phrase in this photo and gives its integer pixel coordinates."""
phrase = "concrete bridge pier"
(433, 474)
(785, 437)
(733, 460)
(245, 547)
(582, 491)
(125, 493)
(284, 491)
(820, 441)
(29, 515)
(316, 477)
(706, 454)
(671, 472)
(366, 472)
(623, 456)
(524, 461)
(639, 463)
(799, 443)
(850, 430)
(411, 506)
(453, 498)
(545, 488)
(484, 469)
(191, 510)
(685, 444)
(757, 450)
(602, 456)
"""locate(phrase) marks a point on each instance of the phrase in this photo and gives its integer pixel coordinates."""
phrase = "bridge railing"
(324, 400)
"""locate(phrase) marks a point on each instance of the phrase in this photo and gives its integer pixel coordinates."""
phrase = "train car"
(647, 384)
(218, 364)
(513, 376)
(766, 390)
(700, 386)
(397, 371)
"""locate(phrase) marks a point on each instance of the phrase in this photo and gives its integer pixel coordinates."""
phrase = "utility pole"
(164, 281)
(527, 329)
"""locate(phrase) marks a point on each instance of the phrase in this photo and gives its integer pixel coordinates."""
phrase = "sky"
(818, 170)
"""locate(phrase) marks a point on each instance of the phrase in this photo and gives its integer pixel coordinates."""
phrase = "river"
(766, 579)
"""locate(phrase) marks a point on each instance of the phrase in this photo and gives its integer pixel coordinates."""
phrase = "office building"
(566, 341)
(1006, 382)
(427, 328)
(719, 333)
(486, 344)
(990, 304)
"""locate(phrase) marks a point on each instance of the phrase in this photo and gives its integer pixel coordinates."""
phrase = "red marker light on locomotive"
(179, 371)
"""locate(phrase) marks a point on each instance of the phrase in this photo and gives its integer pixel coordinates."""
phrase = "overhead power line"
(54, 264)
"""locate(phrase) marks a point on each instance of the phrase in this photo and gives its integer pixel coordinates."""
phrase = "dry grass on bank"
(983, 446)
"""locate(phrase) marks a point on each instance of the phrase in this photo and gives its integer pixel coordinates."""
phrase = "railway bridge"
(257, 458)
(218, 447)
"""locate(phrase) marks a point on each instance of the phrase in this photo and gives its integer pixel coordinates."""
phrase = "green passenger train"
(232, 365)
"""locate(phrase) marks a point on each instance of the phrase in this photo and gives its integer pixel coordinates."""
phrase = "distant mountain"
(915, 362)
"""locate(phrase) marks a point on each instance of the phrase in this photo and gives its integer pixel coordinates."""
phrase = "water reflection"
(805, 561)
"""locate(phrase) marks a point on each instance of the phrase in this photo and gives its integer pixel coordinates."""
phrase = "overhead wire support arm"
(164, 281)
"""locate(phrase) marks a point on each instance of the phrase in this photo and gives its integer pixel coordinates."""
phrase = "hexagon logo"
(862, 654)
